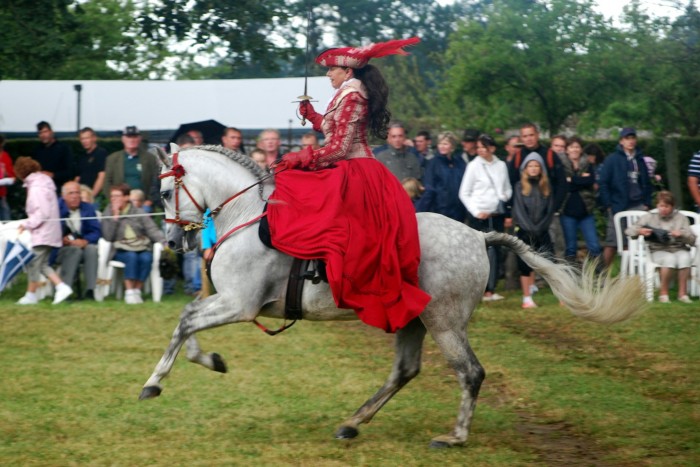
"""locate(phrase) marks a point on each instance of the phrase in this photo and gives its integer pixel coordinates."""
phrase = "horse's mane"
(237, 157)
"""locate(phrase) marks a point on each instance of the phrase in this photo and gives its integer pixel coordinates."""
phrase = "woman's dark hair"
(378, 93)
(486, 140)
(593, 149)
(574, 139)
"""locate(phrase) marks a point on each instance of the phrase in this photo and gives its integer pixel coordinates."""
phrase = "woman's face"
(118, 199)
(533, 169)
(484, 151)
(665, 210)
(445, 147)
(339, 75)
(574, 151)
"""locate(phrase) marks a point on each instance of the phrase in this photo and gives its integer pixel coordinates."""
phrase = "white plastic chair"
(649, 267)
(110, 278)
(630, 264)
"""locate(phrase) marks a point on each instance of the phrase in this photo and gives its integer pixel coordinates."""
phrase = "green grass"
(558, 391)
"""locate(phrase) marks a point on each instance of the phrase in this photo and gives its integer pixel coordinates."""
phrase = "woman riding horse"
(342, 205)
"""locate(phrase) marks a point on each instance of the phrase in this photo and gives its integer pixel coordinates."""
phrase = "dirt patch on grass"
(553, 441)
(612, 356)
(557, 443)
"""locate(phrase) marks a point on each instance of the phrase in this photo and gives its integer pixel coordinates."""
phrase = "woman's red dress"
(346, 208)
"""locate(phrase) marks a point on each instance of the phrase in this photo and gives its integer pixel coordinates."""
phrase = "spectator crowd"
(545, 195)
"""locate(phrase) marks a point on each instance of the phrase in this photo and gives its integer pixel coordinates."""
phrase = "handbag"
(501, 208)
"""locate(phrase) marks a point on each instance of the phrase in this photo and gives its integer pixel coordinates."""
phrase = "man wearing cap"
(624, 185)
(134, 166)
(401, 160)
(469, 144)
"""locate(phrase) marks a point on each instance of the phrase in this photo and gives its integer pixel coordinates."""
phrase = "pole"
(78, 88)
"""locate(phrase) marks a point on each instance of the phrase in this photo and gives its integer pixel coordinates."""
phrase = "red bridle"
(178, 171)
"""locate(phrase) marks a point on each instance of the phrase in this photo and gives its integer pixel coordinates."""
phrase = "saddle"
(301, 271)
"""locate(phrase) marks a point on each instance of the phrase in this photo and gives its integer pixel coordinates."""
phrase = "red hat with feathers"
(357, 57)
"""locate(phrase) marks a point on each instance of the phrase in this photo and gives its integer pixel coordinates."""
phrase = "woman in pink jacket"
(42, 221)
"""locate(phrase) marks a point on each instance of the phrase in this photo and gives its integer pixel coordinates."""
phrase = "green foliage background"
(487, 64)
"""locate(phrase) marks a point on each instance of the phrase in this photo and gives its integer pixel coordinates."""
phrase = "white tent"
(156, 105)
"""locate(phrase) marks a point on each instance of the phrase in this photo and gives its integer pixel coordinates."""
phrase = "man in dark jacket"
(55, 157)
(624, 185)
(81, 231)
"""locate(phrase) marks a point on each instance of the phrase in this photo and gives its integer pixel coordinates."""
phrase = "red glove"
(294, 160)
(306, 110)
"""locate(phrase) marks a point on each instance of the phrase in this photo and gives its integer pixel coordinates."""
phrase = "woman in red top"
(340, 204)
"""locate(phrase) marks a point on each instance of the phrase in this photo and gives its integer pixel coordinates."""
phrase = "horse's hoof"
(219, 364)
(440, 445)
(346, 432)
(150, 392)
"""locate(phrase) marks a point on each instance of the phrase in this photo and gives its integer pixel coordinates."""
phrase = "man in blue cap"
(624, 185)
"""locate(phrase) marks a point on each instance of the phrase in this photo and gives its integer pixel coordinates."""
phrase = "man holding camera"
(81, 231)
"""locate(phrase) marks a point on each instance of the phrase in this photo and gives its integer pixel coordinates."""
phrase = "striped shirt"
(694, 167)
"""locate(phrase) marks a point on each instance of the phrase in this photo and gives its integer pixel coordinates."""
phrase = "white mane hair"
(236, 156)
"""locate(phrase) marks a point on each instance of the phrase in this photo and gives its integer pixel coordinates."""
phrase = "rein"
(178, 171)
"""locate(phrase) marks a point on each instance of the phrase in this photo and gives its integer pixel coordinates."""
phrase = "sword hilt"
(302, 99)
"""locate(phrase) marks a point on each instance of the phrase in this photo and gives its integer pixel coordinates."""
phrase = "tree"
(61, 39)
(547, 62)
(662, 72)
(32, 37)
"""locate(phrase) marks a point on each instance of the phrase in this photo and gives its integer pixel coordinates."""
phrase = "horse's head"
(183, 212)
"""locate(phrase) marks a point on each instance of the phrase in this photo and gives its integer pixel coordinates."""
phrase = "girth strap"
(295, 288)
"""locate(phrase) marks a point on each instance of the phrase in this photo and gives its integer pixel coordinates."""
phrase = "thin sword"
(306, 97)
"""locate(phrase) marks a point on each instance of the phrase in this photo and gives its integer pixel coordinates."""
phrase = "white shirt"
(478, 192)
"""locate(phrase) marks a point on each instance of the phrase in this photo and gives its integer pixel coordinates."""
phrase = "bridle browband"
(178, 171)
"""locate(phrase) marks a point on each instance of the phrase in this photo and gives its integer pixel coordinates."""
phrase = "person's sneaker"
(685, 299)
(63, 291)
(663, 299)
(529, 305)
(89, 295)
(28, 300)
(486, 298)
(534, 289)
(496, 297)
(137, 297)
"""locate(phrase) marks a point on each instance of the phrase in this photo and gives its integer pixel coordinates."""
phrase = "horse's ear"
(164, 158)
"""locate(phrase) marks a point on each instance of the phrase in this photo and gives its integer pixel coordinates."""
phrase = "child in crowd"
(137, 198)
(258, 155)
(533, 210)
(44, 224)
(668, 234)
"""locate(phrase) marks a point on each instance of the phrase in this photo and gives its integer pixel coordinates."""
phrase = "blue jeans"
(571, 225)
(191, 262)
(138, 264)
(4, 209)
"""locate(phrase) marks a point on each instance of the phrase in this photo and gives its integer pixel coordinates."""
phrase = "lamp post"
(78, 88)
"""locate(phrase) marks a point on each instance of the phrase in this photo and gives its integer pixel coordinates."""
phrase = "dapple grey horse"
(251, 281)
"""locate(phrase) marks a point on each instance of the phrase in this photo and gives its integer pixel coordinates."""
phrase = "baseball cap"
(627, 131)
(131, 131)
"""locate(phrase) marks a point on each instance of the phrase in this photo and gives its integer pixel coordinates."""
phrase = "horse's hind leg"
(407, 363)
(470, 373)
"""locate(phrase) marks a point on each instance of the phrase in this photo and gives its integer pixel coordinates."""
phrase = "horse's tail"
(598, 298)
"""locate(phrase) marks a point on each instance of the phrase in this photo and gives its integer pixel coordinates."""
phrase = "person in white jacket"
(484, 191)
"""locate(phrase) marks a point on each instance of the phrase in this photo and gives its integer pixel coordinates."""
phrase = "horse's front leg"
(211, 360)
(196, 316)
